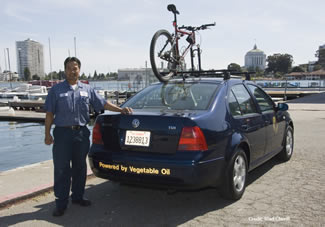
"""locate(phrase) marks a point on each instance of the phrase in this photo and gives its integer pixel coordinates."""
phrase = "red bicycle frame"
(191, 34)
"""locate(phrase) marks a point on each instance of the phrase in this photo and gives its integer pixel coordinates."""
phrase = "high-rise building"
(255, 58)
(30, 55)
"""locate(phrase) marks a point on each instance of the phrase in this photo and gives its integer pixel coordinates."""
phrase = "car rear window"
(174, 96)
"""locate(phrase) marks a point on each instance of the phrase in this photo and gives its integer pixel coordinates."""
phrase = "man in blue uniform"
(67, 106)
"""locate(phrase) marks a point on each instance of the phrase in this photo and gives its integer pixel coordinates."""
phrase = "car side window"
(233, 105)
(244, 99)
(264, 101)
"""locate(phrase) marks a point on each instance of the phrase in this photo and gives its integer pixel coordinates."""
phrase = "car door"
(273, 120)
(247, 119)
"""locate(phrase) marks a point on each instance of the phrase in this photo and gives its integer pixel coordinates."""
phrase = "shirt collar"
(80, 84)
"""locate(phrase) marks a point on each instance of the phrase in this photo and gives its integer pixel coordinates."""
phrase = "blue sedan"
(193, 133)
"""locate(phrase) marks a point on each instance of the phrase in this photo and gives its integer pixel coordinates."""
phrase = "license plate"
(137, 138)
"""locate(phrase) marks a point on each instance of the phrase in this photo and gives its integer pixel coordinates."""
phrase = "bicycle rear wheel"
(163, 55)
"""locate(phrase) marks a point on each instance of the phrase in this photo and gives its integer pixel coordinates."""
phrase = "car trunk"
(143, 132)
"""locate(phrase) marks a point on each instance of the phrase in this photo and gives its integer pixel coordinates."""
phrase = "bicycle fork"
(198, 57)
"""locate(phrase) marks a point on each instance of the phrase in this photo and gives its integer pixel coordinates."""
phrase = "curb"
(12, 199)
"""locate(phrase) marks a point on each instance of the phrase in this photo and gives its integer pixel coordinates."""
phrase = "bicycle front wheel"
(163, 55)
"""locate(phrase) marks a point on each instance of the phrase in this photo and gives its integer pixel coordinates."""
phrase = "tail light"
(97, 135)
(192, 139)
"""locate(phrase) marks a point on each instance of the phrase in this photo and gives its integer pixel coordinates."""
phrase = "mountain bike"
(165, 56)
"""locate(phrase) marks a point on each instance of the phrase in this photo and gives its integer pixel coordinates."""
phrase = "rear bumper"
(159, 172)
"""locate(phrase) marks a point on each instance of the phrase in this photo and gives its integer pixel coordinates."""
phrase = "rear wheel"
(287, 150)
(234, 182)
(163, 55)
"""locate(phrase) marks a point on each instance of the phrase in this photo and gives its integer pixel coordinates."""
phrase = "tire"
(162, 43)
(288, 142)
(234, 182)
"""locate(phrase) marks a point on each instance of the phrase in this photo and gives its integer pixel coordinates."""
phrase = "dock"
(33, 110)
(36, 105)
(22, 115)
(292, 93)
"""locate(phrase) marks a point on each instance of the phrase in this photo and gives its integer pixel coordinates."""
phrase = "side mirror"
(282, 106)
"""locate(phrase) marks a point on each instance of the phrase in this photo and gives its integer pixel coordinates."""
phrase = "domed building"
(255, 58)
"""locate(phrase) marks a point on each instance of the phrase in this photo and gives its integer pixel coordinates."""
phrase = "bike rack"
(221, 73)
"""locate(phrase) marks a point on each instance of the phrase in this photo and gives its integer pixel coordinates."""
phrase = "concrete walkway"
(25, 182)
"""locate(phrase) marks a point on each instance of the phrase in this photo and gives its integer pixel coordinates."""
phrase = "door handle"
(245, 127)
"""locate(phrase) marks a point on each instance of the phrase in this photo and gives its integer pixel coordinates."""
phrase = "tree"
(61, 75)
(101, 76)
(95, 75)
(321, 57)
(317, 67)
(83, 76)
(27, 74)
(279, 63)
(36, 77)
(235, 67)
(298, 69)
(112, 76)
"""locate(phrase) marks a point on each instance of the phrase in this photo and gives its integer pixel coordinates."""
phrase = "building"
(30, 55)
(315, 75)
(6, 76)
(307, 79)
(255, 58)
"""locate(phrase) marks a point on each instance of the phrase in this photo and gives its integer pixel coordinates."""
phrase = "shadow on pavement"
(122, 205)
(311, 99)
(261, 170)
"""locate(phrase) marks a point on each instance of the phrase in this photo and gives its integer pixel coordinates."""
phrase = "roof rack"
(226, 74)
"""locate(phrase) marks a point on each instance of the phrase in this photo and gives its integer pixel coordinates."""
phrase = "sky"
(115, 34)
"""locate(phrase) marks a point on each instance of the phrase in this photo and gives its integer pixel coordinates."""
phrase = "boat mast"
(50, 59)
(75, 48)
(9, 68)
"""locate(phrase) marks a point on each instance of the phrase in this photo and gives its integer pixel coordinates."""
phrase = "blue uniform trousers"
(70, 151)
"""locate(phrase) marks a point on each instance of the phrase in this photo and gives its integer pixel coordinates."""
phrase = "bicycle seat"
(172, 7)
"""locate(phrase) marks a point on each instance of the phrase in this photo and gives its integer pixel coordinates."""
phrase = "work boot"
(82, 202)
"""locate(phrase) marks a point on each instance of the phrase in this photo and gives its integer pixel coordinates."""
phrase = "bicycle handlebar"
(191, 28)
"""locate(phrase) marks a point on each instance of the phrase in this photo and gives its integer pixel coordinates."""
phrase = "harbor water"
(22, 144)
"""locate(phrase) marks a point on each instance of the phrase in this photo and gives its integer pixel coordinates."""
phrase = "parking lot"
(286, 194)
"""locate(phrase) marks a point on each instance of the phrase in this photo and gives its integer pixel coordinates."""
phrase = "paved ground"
(278, 194)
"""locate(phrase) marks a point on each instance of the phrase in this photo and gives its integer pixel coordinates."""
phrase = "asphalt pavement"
(278, 194)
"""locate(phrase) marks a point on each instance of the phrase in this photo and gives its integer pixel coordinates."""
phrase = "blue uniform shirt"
(71, 107)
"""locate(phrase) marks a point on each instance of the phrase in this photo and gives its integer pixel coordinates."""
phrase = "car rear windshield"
(175, 96)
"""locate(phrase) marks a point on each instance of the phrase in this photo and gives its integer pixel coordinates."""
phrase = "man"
(67, 106)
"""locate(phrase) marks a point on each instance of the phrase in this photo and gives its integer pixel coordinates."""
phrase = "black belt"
(74, 127)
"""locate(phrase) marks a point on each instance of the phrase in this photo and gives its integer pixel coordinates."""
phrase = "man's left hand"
(126, 110)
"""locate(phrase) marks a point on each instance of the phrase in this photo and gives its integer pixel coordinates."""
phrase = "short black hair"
(71, 59)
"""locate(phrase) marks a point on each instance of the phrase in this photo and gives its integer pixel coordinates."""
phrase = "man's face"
(72, 72)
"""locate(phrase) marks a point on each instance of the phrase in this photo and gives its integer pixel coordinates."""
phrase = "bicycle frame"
(177, 35)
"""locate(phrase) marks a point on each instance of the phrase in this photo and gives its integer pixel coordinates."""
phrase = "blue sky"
(112, 34)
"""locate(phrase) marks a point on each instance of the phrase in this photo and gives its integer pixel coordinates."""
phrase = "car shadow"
(123, 205)
(261, 170)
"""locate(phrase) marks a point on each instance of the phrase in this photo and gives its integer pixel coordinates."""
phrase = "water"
(22, 144)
